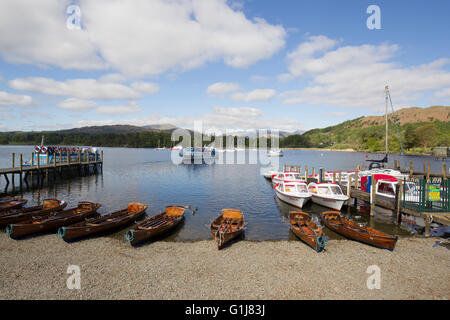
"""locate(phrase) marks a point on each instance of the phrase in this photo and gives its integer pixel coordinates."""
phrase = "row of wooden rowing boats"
(79, 222)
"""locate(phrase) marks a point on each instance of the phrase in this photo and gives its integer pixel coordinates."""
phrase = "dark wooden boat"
(304, 228)
(104, 223)
(352, 230)
(48, 206)
(156, 225)
(11, 203)
(53, 220)
(229, 225)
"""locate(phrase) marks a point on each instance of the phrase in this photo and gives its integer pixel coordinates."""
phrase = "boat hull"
(335, 204)
(70, 233)
(26, 213)
(64, 218)
(136, 236)
(222, 227)
(307, 231)
(295, 201)
(362, 234)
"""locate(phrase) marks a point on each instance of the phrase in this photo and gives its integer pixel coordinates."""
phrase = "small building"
(441, 152)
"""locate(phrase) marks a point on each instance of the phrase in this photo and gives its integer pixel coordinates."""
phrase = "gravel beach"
(36, 268)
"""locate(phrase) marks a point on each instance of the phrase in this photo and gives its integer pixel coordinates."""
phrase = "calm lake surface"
(149, 176)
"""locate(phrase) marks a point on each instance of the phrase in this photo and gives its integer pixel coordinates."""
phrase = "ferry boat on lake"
(198, 155)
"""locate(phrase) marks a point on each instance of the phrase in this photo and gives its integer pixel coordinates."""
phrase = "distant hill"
(105, 129)
(420, 130)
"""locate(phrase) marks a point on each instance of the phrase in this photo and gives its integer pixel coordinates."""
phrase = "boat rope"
(130, 235)
(320, 243)
(62, 232)
(9, 230)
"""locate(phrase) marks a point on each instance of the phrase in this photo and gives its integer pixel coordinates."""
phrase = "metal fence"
(422, 195)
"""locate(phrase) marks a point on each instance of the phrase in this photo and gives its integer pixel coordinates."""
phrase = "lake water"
(149, 176)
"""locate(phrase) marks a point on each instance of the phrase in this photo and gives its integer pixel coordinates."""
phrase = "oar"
(188, 207)
(438, 243)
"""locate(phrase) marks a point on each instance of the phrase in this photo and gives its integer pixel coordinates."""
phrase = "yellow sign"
(434, 193)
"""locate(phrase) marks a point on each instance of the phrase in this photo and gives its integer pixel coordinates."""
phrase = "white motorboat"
(327, 194)
(271, 172)
(275, 153)
(293, 193)
(291, 176)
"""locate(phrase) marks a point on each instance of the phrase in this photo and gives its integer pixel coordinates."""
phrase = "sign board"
(434, 193)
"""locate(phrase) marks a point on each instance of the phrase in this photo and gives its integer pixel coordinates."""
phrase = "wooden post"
(13, 156)
(32, 159)
(428, 172)
(349, 187)
(38, 161)
(102, 155)
(444, 171)
(373, 188)
(48, 159)
(340, 176)
(334, 177)
(306, 172)
(411, 169)
(427, 225)
(300, 168)
(21, 164)
(313, 172)
(399, 201)
(68, 157)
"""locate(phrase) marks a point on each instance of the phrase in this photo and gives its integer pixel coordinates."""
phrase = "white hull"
(296, 201)
(331, 203)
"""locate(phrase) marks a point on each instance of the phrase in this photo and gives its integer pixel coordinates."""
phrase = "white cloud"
(257, 78)
(145, 87)
(9, 99)
(255, 95)
(222, 88)
(132, 107)
(220, 118)
(28, 37)
(355, 76)
(444, 93)
(137, 38)
(75, 104)
(82, 88)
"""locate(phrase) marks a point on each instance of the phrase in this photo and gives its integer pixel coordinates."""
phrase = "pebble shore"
(36, 268)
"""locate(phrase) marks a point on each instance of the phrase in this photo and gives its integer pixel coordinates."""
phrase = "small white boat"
(230, 150)
(293, 193)
(271, 172)
(291, 176)
(327, 194)
(178, 147)
(275, 153)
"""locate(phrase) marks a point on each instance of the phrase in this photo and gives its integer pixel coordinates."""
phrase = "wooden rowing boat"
(229, 225)
(156, 225)
(48, 206)
(104, 223)
(349, 229)
(304, 228)
(52, 221)
(11, 203)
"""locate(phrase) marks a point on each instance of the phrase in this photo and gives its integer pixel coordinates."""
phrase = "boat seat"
(174, 211)
(231, 214)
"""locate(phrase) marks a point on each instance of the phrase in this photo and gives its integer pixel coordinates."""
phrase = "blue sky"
(234, 65)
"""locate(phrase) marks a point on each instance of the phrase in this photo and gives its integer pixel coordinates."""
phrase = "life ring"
(44, 149)
(37, 149)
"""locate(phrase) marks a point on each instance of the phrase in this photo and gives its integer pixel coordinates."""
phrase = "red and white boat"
(327, 194)
(291, 176)
(293, 193)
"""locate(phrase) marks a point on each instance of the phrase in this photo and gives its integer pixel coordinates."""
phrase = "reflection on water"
(148, 176)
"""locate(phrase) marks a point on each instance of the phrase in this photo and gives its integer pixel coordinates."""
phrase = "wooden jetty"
(396, 205)
(80, 163)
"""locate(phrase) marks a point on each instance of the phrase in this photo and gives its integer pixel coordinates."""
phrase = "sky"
(229, 65)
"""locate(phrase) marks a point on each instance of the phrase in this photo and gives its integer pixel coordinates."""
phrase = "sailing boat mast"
(386, 89)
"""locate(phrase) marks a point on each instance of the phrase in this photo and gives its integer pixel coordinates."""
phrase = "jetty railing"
(426, 196)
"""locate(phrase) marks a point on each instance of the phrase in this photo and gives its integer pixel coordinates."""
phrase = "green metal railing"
(423, 195)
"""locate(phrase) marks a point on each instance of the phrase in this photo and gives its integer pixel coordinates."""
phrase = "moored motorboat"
(229, 225)
(104, 223)
(11, 203)
(303, 227)
(327, 194)
(294, 193)
(48, 206)
(52, 221)
(291, 176)
(274, 153)
(157, 225)
(350, 229)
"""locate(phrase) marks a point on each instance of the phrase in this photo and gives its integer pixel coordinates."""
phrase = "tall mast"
(386, 89)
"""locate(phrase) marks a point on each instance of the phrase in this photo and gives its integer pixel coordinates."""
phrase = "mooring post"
(411, 169)
(349, 186)
(313, 172)
(38, 161)
(13, 157)
(428, 172)
(340, 176)
(334, 177)
(427, 225)
(373, 185)
(306, 173)
(399, 194)
(21, 164)
(444, 171)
